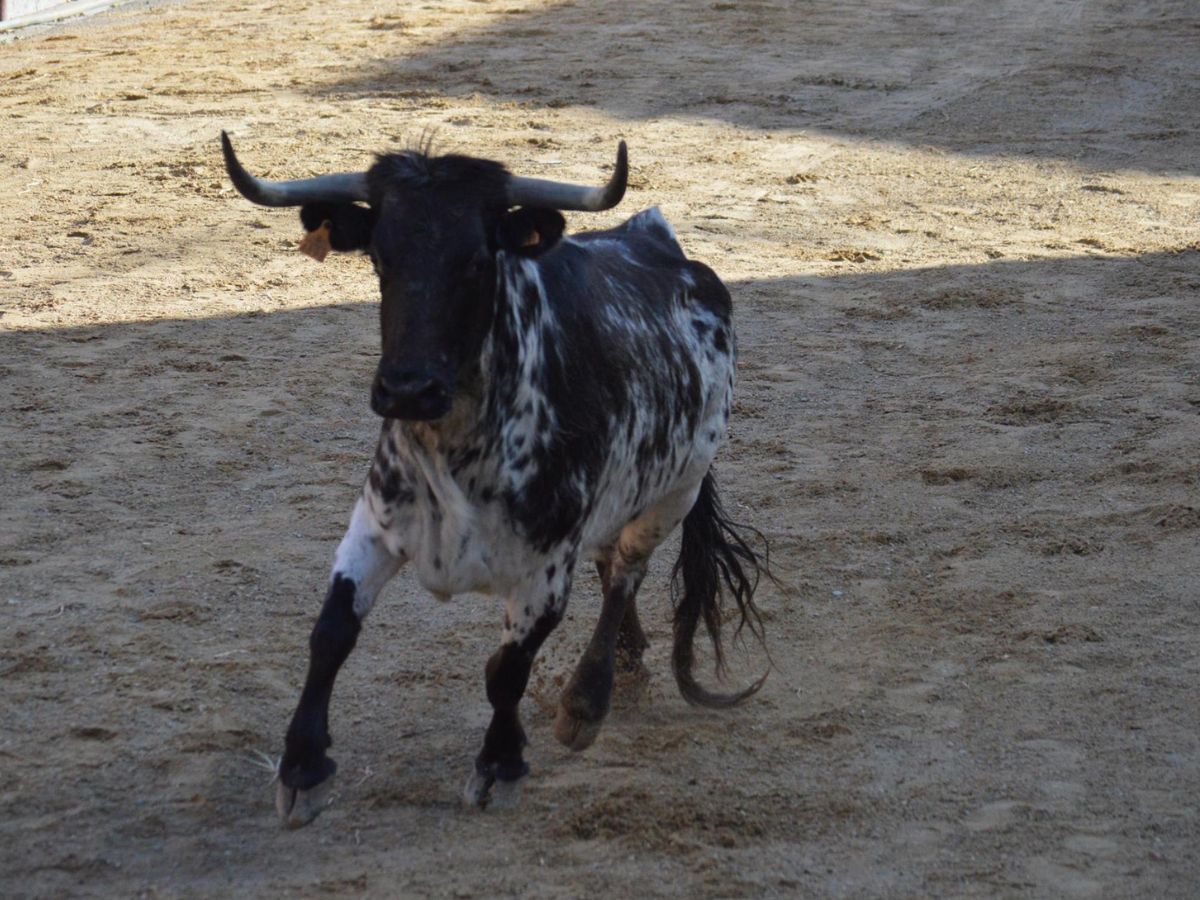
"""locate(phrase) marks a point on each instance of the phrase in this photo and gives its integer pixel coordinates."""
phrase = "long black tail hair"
(712, 552)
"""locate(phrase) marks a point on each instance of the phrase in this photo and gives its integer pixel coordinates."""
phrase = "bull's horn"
(341, 188)
(558, 195)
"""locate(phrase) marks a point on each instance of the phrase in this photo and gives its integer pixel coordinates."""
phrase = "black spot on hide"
(387, 485)
(595, 375)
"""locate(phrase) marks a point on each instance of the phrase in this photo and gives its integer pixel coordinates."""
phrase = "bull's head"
(432, 226)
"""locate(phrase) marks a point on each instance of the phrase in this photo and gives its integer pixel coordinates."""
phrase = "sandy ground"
(962, 239)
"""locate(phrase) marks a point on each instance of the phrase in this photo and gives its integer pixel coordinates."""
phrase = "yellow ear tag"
(532, 240)
(316, 242)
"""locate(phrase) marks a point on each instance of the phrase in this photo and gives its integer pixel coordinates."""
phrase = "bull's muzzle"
(416, 395)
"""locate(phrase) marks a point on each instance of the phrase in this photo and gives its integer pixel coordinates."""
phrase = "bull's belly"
(455, 544)
(480, 552)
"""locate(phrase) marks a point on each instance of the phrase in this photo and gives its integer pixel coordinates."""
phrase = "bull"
(546, 399)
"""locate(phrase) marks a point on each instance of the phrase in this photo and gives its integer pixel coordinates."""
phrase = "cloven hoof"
(297, 808)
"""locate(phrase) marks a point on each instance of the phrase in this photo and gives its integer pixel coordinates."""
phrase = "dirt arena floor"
(963, 245)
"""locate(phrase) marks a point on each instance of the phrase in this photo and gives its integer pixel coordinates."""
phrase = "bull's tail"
(713, 551)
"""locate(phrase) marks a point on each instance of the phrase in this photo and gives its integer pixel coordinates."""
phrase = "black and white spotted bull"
(545, 399)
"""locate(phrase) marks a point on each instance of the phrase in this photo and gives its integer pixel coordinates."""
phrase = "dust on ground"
(962, 241)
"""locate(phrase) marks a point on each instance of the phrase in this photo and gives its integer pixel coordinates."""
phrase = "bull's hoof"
(574, 731)
(485, 791)
(297, 807)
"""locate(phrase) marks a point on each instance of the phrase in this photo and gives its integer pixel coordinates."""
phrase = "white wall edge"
(65, 11)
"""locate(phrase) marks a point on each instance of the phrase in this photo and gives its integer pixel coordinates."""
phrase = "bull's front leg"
(361, 568)
(531, 613)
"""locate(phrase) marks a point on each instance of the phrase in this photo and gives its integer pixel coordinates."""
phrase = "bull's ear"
(530, 231)
(349, 227)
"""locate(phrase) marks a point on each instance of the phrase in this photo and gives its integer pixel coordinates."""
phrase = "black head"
(433, 230)
(433, 227)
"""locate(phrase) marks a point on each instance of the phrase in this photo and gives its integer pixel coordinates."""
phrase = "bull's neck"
(514, 351)
(489, 393)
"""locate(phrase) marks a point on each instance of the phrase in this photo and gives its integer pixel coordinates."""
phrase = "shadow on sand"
(1081, 82)
(153, 407)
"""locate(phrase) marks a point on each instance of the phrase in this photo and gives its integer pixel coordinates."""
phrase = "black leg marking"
(507, 675)
(501, 758)
(304, 763)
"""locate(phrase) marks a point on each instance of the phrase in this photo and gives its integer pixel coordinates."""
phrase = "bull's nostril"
(402, 384)
(431, 390)
(390, 382)
(412, 394)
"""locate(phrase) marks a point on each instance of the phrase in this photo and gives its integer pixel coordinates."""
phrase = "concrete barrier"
(20, 13)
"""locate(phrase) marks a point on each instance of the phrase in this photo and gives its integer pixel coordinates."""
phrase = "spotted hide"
(581, 423)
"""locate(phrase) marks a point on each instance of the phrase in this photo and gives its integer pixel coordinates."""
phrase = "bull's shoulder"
(652, 238)
(708, 289)
(640, 257)
(646, 234)
(652, 223)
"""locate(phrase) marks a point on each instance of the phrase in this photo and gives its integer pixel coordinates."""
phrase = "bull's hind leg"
(588, 695)
(531, 613)
(631, 640)
(361, 568)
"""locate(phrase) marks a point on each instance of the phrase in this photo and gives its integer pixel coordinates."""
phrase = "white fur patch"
(363, 558)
